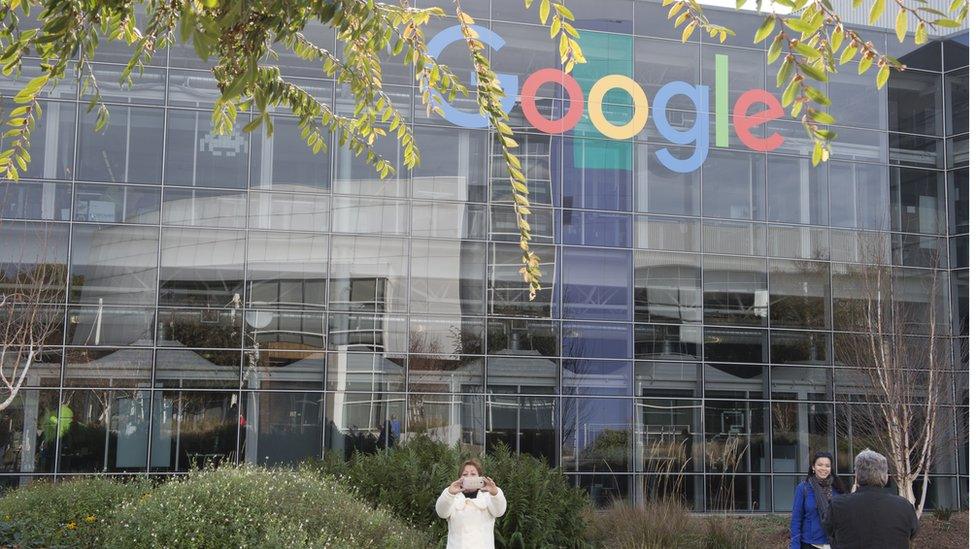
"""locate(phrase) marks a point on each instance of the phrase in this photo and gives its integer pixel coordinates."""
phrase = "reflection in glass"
(26, 446)
(113, 264)
(288, 212)
(369, 216)
(97, 325)
(597, 377)
(597, 435)
(363, 422)
(734, 185)
(35, 200)
(667, 287)
(204, 208)
(858, 196)
(523, 424)
(522, 374)
(917, 201)
(596, 284)
(735, 435)
(205, 328)
(735, 290)
(669, 439)
(114, 203)
(370, 372)
(915, 103)
(193, 429)
(667, 342)
(507, 292)
(368, 273)
(52, 143)
(106, 367)
(797, 190)
(364, 332)
(798, 347)
(667, 379)
(667, 233)
(128, 150)
(184, 368)
(736, 381)
(284, 162)
(287, 269)
(798, 293)
(102, 431)
(201, 267)
(455, 167)
(282, 428)
(432, 374)
(451, 419)
(447, 277)
(197, 157)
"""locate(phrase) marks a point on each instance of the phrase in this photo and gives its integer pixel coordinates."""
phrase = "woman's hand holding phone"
(454, 488)
(490, 486)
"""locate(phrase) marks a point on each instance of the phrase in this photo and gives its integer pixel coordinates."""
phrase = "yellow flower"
(71, 525)
(90, 519)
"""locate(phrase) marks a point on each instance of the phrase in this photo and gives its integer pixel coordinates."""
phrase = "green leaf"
(817, 153)
(789, 94)
(822, 117)
(764, 30)
(947, 23)
(901, 24)
(808, 51)
(882, 76)
(849, 52)
(813, 72)
(689, 29)
(836, 39)
(864, 64)
(877, 10)
(800, 26)
(775, 49)
(921, 33)
(544, 11)
(817, 95)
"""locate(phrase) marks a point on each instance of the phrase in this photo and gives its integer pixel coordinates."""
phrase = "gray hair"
(870, 469)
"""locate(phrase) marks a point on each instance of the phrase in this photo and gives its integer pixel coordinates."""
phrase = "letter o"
(595, 107)
(531, 112)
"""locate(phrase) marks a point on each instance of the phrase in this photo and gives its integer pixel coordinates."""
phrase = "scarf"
(822, 493)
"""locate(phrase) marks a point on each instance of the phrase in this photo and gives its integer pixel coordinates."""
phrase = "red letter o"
(531, 112)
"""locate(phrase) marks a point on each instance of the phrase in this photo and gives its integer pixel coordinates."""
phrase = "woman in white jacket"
(471, 514)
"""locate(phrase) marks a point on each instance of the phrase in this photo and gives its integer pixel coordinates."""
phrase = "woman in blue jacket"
(811, 504)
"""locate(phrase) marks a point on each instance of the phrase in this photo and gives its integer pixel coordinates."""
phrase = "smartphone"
(472, 483)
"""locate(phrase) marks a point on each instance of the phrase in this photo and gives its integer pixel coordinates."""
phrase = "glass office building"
(240, 299)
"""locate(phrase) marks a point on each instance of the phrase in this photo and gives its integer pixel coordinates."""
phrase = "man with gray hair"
(871, 517)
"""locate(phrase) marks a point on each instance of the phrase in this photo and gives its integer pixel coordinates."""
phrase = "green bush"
(75, 513)
(543, 508)
(658, 525)
(250, 506)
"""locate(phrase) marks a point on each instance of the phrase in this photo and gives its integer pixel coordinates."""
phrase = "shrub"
(722, 532)
(74, 513)
(249, 506)
(661, 524)
(543, 508)
(943, 513)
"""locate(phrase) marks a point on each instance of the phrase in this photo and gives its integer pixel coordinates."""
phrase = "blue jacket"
(805, 524)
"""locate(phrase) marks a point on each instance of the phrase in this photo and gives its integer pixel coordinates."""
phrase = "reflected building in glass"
(240, 299)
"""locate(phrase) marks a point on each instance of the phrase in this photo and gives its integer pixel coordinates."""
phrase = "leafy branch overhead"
(240, 40)
(811, 40)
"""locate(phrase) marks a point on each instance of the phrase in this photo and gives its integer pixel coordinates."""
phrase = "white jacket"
(470, 522)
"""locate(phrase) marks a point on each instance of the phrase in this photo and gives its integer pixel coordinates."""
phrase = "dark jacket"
(871, 518)
(805, 524)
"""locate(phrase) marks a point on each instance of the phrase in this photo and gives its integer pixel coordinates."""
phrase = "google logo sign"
(743, 121)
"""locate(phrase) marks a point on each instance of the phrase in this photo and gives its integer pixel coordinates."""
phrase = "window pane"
(667, 233)
(454, 221)
(108, 431)
(365, 372)
(368, 332)
(451, 419)
(597, 434)
(667, 287)
(522, 374)
(858, 196)
(207, 328)
(797, 191)
(798, 242)
(734, 237)
(798, 347)
(288, 212)
(598, 377)
(94, 325)
(287, 269)
(432, 374)
(197, 157)
(957, 102)
(798, 293)
(917, 201)
(518, 336)
(667, 379)
(35, 200)
(128, 150)
(183, 368)
(454, 166)
(667, 342)
(604, 340)
(447, 335)
(53, 142)
(195, 429)
(284, 162)
(734, 185)
(736, 345)
(447, 277)
(735, 436)
(116, 203)
(31, 449)
(204, 208)
(368, 273)
(915, 103)
(669, 437)
(660, 190)
(363, 422)
(282, 428)
(113, 264)
(91, 367)
(201, 267)
(595, 228)
(507, 293)
(596, 284)
(795, 383)
(524, 424)
(735, 290)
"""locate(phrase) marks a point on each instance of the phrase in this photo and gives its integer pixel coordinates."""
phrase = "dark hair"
(836, 481)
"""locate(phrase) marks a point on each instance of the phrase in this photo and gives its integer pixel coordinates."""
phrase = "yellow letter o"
(595, 107)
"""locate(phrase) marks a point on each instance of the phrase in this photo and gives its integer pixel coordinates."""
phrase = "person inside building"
(811, 504)
(871, 517)
(471, 504)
